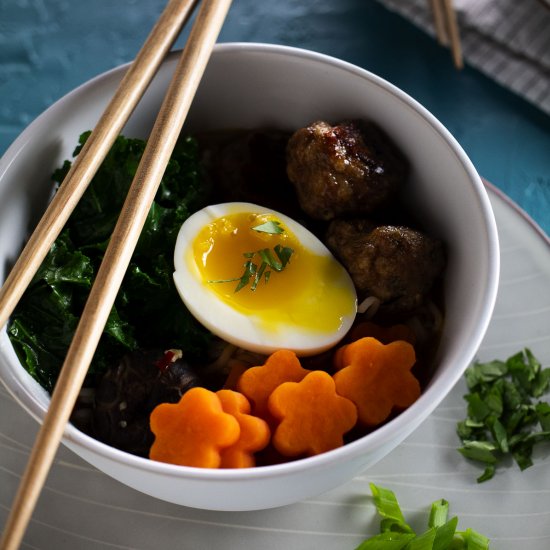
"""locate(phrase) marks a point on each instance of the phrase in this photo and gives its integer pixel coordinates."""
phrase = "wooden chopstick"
(160, 145)
(117, 112)
(452, 30)
(446, 28)
(439, 22)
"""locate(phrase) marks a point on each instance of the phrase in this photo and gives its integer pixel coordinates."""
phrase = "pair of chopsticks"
(446, 28)
(160, 145)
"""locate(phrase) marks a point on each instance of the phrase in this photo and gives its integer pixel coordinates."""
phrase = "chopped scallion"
(397, 534)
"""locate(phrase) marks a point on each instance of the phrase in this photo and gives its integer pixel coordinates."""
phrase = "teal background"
(47, 47)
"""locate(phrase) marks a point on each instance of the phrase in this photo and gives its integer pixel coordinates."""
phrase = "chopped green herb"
(397, 534)
(388, 507)
(272, 226)
(268, 259)
(251, 270)
(503, 416)
(438, 513)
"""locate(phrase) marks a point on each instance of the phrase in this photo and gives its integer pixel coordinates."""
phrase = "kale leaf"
(148, 312)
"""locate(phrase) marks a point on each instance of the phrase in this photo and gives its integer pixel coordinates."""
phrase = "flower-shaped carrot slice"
(384, 334)
(313, 417)
(376, 377)
(257, 383)
(254, 436)
(236, 369)
(194, 431)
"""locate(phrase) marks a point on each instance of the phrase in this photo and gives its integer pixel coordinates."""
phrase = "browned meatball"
(398, 265)
(350, 168)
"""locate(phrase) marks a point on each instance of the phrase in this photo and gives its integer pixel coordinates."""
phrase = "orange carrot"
(313, 418)
(376, 377)
(194, 431)
(236, 369)
(257, 383)
(384, 334)
(254, 435)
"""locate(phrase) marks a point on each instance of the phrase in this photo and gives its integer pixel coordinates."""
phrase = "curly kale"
(147, 312)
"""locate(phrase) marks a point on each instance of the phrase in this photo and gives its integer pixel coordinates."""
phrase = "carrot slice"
(313, 418)
(384, 334)
(193, 431)
(376, 377)
(236, 369)
(257, 383)
(254, 434)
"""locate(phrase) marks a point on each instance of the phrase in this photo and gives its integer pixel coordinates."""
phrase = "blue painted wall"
(47, 47)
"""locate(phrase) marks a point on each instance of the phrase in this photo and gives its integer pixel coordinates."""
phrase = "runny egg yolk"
(307, 292)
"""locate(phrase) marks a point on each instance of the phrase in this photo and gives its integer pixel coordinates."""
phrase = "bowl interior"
(248, 86)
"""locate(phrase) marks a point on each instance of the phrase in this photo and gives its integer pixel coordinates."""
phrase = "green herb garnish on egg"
(273, 227)
(253, 273)
(505, 417)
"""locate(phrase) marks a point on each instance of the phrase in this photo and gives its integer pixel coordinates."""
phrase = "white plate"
(82, 508)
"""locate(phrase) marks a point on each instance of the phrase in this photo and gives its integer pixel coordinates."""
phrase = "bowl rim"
(395, 429)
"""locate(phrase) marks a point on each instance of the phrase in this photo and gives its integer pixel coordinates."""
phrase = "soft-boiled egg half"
(262, 281)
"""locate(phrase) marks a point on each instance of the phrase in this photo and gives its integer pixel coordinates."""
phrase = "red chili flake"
(166, 360)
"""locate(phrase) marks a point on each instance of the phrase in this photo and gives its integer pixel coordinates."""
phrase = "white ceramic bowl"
(251, 85)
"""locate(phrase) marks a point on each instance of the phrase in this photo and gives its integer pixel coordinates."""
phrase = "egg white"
(238, 328)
